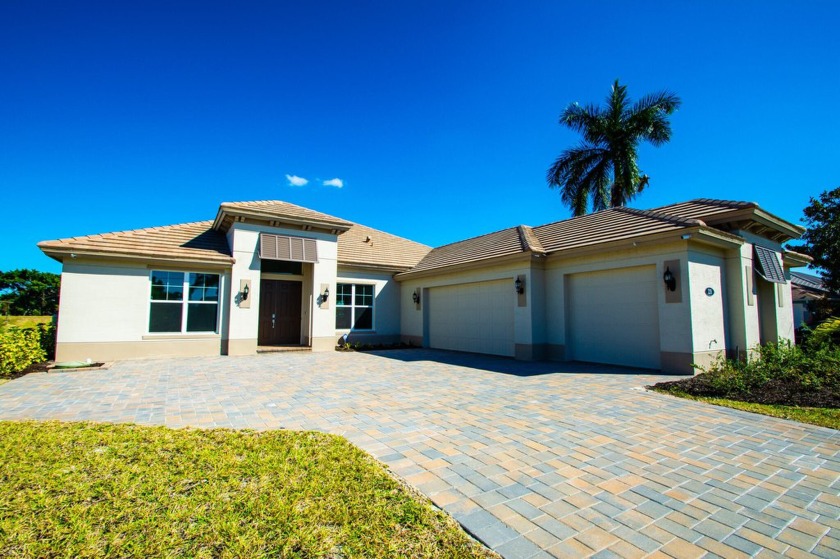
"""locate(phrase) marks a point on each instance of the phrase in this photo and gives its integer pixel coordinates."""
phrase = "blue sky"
(439, 118)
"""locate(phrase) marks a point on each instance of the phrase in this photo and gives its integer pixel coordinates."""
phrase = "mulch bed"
(776, 392)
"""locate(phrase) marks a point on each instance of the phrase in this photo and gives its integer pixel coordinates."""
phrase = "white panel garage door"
(475, 317)
(614, 317)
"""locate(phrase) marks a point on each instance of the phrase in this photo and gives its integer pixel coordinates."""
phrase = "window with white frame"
(354, 306)
(183, 302)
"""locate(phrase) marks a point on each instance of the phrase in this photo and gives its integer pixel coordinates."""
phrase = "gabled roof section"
(614, 224)
(729, 215)
(606, 226)
(277, 213)
(370, 248)
(188, 242)
(506, 242)
(704, 208)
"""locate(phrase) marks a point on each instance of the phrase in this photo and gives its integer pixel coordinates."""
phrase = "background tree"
(29, 292)
(603, 169)
(822, 236)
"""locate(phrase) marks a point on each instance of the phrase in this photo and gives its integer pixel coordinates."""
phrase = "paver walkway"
(536, 460)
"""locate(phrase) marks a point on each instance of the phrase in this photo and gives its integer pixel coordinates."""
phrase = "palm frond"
(587, 120)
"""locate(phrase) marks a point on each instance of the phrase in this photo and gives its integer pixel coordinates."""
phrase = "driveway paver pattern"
(534, 459)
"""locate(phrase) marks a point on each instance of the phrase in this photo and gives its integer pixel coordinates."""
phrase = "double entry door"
(280, 303)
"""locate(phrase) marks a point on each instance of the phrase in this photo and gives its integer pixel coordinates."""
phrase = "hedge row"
(22, 347)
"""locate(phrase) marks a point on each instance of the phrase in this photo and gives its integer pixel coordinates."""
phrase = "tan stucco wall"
(708, 327)
(674, 318)
(525, 331)
(104, 312)
(386, 305)
(244, 322)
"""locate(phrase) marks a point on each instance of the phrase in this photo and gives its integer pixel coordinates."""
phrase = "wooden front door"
(279, 312)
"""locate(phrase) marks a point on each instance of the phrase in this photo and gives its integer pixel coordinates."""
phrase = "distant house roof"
(203, 242)
(807, 281)
(615, 224)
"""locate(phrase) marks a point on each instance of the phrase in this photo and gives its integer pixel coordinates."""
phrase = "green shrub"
(47, 332)
(20, 348)
(827, 332)
(805, 368)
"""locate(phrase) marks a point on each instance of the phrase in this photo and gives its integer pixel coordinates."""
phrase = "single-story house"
(808, 291)
(660, 289)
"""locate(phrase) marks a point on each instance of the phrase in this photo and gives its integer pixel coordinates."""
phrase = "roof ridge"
(130, 231)
(662, 216)
(529, 239)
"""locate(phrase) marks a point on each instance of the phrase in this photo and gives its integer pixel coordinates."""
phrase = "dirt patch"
(774, 391)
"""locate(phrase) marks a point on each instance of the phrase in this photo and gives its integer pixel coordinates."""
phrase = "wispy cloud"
(338, 183)
(295, 180)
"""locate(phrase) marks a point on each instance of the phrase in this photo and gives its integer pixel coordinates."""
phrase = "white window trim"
(185, 303)
(352, 306)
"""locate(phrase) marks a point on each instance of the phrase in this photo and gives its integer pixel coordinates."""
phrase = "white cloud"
(338, 183)
(295, 180)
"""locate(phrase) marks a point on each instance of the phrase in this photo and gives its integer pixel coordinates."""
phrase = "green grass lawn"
(824, 417)
(24, 321)
(96, 490)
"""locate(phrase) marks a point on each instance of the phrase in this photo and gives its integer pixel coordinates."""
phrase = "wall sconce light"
(519, 286)
(325, 295)
(245, 291)
(669, 279)
(416, 298)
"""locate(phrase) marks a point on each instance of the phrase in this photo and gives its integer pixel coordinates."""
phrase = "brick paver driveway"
(534, 459)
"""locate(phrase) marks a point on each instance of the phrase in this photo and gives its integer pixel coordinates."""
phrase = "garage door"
(614, 317)
(475, 317)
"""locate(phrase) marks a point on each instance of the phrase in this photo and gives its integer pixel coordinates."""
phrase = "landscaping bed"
(776, 391)
(780, 379)
(97, 490)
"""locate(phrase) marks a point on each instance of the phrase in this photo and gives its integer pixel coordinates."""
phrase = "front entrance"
(280, 303)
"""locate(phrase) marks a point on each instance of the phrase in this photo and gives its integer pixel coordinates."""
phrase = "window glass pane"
(342, 318)
(165, 317)
(201, 317)
(364, 295)
(364, 318)
(167, 286)
(345, 294)
(204, 287)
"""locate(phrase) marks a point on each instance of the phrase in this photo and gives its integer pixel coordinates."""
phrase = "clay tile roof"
(605, 226)
(365, 246)
(600, 227)
(277, 210)
(188, 241)
(704, 208)
(492, 245)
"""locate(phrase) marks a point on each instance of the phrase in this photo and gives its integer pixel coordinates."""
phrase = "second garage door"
(474, 317)
(614, 317)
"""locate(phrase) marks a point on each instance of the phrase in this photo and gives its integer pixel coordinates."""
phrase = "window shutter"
(291, 249)
(769, 265)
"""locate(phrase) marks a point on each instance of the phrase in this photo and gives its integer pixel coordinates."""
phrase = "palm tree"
(603, 167)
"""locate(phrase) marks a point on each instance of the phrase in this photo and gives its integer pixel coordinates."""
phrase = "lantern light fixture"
(669, 279)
